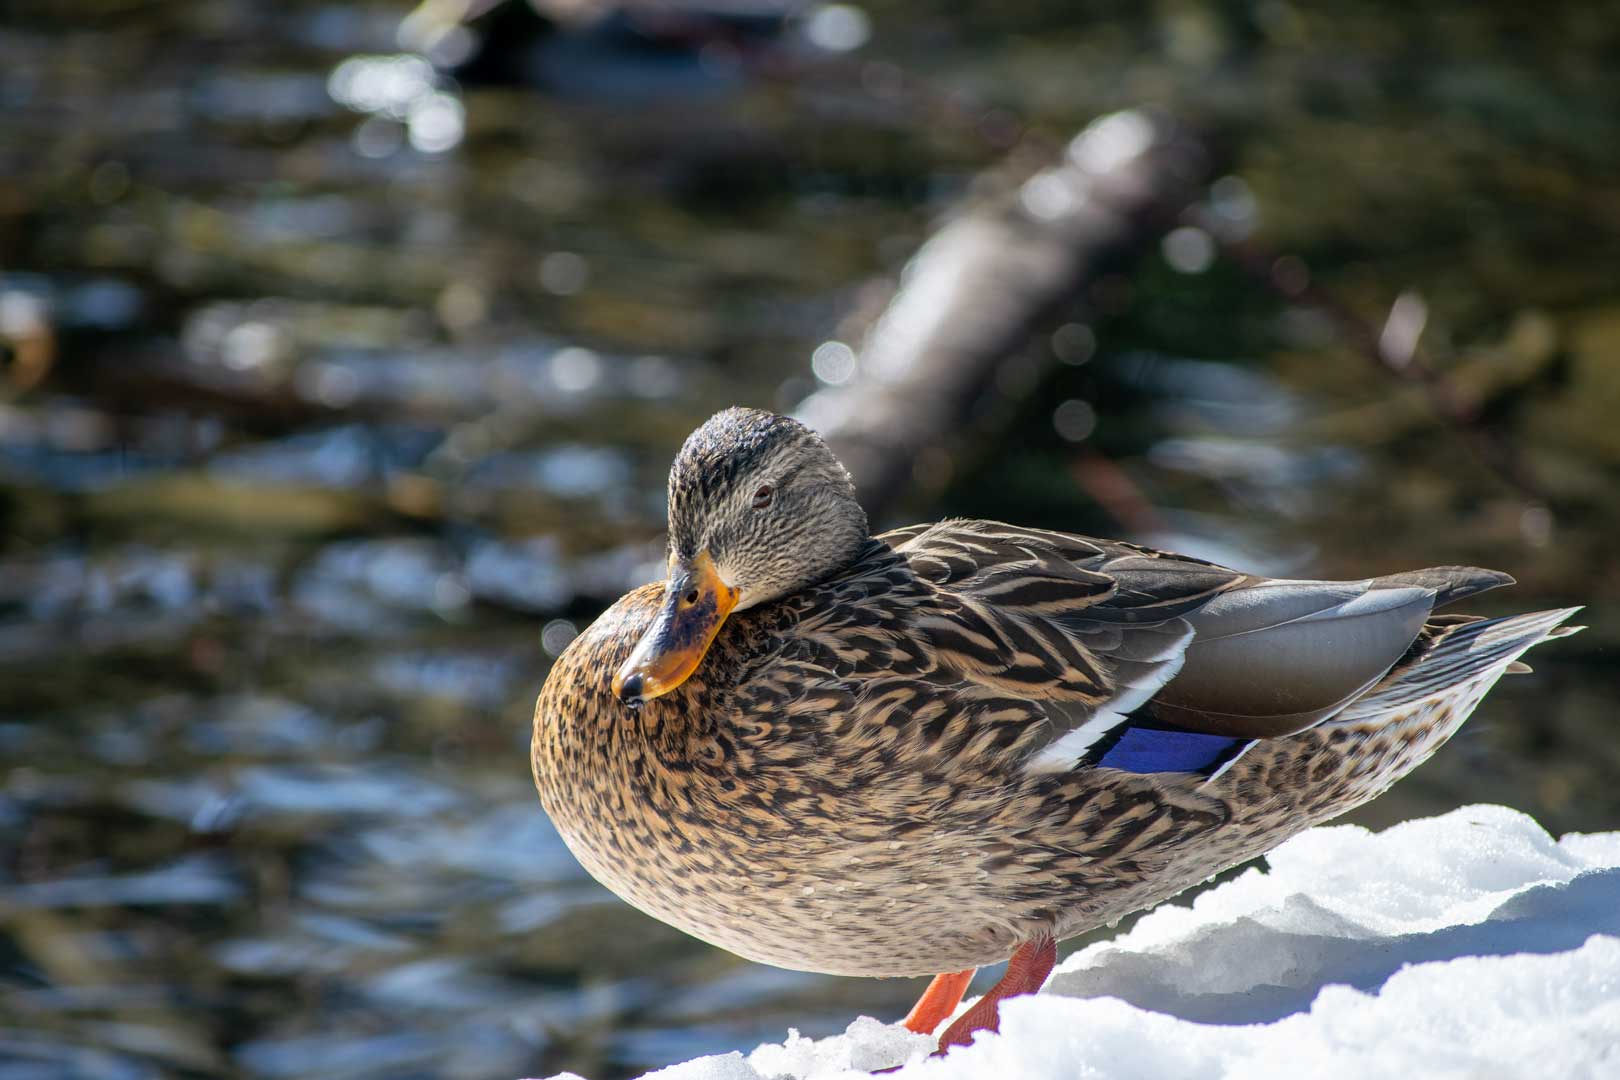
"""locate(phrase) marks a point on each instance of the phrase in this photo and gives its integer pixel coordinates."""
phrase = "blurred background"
(346, 346)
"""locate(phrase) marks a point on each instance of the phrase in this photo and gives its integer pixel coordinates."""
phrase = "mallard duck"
(937, 748)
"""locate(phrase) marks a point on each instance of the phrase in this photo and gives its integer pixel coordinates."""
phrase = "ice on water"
(1470, 944)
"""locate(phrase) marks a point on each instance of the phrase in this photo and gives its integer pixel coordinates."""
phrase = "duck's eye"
(763, 496)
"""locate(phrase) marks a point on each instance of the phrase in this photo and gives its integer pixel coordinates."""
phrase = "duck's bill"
(696, 603)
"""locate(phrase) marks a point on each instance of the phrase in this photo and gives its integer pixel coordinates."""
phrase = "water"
(338, 396)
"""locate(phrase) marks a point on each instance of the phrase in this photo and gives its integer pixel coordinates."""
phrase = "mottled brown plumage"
(970, 736)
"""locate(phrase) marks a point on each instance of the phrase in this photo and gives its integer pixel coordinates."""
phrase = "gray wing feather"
(1275, 657)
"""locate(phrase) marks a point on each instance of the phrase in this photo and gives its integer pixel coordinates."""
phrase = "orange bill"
(696, 603)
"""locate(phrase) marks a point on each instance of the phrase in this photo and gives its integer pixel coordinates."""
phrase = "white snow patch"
(1466, 945)
(714, 1067)
(865, 1045)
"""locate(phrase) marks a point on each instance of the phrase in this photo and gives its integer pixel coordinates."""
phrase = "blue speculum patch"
(1153, 750)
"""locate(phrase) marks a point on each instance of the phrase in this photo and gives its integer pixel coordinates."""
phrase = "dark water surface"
(338, 393)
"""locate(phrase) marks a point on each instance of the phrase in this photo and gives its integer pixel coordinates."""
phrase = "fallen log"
(972, 295)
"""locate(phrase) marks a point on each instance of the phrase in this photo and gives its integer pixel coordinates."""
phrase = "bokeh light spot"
(838, 28)
(1074, 343)
(833, 363)
(564, 273)
(1074, 420)
(1189, 250)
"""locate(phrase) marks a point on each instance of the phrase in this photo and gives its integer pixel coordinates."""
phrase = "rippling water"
(338, 391)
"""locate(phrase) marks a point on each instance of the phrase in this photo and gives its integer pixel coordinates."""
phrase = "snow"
(1467, 945)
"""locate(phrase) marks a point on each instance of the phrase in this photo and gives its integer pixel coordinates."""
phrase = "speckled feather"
(853, 781)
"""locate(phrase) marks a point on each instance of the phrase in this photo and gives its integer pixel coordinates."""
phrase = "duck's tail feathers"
(1456, 650)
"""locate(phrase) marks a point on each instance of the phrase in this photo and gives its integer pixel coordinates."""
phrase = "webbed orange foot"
(1026, 972)
(941, 998)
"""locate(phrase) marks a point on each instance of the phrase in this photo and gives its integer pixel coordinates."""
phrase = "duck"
(949, 745)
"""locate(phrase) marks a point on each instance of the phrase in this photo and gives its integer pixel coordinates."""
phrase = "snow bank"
(1466, 945)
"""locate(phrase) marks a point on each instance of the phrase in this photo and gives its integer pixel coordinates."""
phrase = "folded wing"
(1153, 662)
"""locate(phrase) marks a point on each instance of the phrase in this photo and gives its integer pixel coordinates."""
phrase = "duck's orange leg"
(1026, 971)
(941, 998)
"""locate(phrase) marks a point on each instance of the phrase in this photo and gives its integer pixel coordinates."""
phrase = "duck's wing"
(1142, 659)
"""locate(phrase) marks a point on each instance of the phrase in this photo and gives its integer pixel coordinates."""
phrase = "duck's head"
(758, 508)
